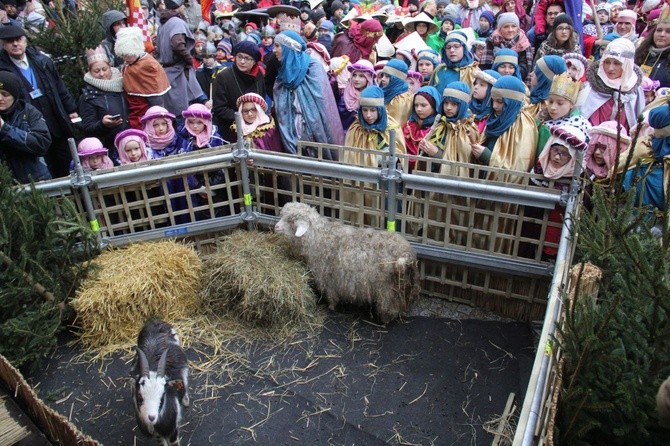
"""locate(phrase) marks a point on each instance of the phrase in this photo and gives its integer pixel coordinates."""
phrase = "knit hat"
(252, 97)
(129, 42)
(576, 58)
(316, 15)
(10, 83)
(603, 7)
(563, 18)
(429, 54)
(247, 47)
(509, 87)
(507, 17)
(173, 4)
(327, 25)
(90, 147)
(254, 38)
(627, 16)
(154, 112)
(225, 45)
(335, 5)
(488, 15)
(396, 68)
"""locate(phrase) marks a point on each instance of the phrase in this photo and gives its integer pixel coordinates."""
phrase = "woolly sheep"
(663, 403)
(353, 265)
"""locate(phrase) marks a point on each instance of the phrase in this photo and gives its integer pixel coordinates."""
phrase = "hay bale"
(132, 284)
(585, 282)
(253, 277)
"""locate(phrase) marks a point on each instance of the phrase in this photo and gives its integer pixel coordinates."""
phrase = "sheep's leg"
(185, 400)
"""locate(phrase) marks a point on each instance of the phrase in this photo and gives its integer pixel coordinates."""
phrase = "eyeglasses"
(249, 111)
(456, 46)
(560, 151)
(243, 58)
(564, 28)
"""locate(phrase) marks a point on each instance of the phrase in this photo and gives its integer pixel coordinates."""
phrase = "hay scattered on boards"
(132, 284)
(253, 277)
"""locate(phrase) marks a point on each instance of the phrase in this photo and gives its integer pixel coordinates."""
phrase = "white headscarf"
(622, 50)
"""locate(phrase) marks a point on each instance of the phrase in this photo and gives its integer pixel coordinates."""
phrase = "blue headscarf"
(482, 108)
(437, 99)
(430, 55)
(545, 69)
(457, 37)
(458, 92)
(513, 92)
(397, 73)
(659, 118)
(294, 59)
(373, 96)
(505, 55)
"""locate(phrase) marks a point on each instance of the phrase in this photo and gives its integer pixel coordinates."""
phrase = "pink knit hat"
(156, 112)
(90, 147)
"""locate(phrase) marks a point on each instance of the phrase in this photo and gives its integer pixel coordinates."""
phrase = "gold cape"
(400, 107)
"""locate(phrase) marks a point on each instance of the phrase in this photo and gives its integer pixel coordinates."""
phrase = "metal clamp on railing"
(81, 181)
(242, 153)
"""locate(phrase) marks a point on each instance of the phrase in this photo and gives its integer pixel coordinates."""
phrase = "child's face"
(559, 156)
(414, 84)
(599, 154)
(160, 126)
(484, 24)
(506, 69)
(133, 151)
(533, 79)
(422, 107)
(425, 67)
(196, 125)
(358, 80)
(370, 114)
(498, 106)
(558, 107)
(478, 51)
(450, 108)
(95, 162)
(574, 71)
(603, 16)
(447, 26)
(649, 96)
(383, 80)
(249, 112)
(479, 89)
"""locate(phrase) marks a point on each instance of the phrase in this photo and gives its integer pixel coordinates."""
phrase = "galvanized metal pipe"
(530, 412)
(241, 154)
(82, 180)
(389, 177)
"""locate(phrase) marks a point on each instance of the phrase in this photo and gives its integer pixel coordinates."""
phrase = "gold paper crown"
(562, 85)
(97, 54)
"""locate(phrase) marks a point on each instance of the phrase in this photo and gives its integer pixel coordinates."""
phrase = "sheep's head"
(296, 218)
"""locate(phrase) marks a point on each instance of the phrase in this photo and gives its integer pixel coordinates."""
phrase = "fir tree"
(44, 245)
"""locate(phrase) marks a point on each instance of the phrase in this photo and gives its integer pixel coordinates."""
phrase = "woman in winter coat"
(102, 104)
(24, 135)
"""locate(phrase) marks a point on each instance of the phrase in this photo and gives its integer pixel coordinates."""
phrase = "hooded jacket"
(108, 19)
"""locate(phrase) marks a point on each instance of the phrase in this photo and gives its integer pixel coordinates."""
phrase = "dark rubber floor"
(424, 381)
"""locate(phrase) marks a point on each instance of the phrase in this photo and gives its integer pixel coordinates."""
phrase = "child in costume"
(93, 155)
(131, 145)
(425, 109)
(480, 105)
(159, 127)
(198, 131)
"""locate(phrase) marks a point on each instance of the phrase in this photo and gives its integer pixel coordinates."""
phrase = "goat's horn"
(144, 363)
(160, 371)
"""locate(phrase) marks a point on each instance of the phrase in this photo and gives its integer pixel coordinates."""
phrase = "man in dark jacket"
(42, 87)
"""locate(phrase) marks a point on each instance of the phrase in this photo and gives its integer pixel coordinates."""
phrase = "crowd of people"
(511, 84)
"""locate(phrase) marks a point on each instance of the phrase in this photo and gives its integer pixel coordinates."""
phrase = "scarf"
(362, 40)
(518, 43)
(113, 85)
(548, 170)
(261, 119)
(609, 154)
(294, 59)
(395, 87)
(351, 95)
(372, 97)
(157, 142)
(202, 138)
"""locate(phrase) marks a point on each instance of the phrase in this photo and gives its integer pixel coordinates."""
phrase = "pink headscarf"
(201, 112)
(569, 137)
(351, 95)
(606, 134)
(261, 109)
(158, 142)
(93, 146)
(127, 136)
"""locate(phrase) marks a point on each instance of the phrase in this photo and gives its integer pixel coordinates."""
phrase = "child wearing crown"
(561, 109)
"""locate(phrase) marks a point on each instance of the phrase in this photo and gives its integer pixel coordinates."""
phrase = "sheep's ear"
(301, 229)
(176, 384)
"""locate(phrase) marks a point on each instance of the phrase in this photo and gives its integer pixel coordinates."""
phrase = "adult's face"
(16, 48)
(116, 26)
(662, 35)
(6, 100)
(509, 31)
(244, 62)
(563, 33)
(623, 28)
(613, 68)
(277, 51)
(11, 11)
(552, 12)
(100, 70)
(454, 51)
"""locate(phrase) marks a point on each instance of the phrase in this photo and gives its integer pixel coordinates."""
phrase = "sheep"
(161, 382)
(663, 403)
(353, 265)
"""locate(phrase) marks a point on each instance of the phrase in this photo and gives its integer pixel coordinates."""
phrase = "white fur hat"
(129, 42)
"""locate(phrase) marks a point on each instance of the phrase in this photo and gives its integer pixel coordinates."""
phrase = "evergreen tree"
(44, 244)
(616, 350)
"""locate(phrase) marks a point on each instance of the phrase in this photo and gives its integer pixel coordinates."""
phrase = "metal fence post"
(390, 176)
(242, 154)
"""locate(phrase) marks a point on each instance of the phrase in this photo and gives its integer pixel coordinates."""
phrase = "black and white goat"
(161, 382)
